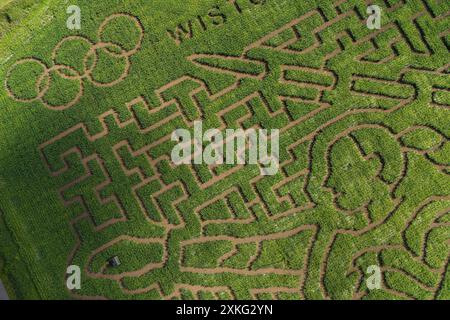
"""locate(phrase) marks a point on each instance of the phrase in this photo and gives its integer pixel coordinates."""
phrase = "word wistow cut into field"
(364, 160)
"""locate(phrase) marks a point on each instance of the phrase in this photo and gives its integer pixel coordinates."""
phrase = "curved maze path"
(363, 180)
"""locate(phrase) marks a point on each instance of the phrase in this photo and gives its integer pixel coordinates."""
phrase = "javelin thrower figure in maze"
(76, 60)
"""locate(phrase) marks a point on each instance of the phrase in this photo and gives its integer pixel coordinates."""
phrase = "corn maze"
(364, 159)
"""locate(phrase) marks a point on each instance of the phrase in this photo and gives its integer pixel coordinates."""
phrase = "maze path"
(353, 178)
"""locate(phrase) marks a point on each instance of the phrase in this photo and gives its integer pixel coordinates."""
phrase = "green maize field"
(86, 174)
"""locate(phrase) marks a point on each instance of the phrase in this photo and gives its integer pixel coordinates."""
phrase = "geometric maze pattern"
(363, 180)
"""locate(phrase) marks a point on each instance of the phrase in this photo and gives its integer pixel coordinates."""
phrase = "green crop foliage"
(86, 173)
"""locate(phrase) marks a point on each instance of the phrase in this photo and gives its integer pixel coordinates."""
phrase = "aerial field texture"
(86, 118)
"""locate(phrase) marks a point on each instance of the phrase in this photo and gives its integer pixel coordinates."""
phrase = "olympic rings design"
(89, 64)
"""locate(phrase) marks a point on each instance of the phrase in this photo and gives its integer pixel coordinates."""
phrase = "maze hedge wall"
(85, 170)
